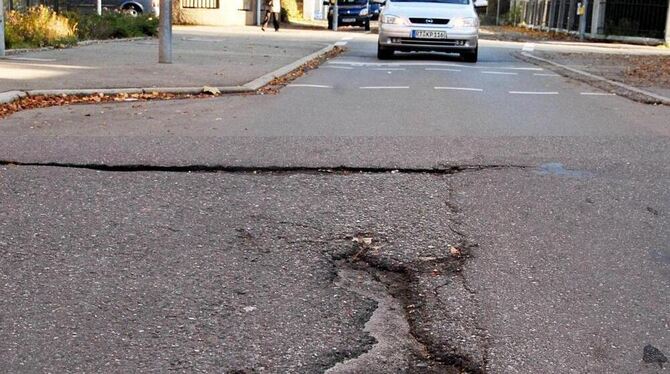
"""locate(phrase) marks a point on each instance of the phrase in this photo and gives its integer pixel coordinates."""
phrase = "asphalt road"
(524, 230)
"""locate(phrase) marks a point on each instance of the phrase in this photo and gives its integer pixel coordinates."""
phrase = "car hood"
(429, 10)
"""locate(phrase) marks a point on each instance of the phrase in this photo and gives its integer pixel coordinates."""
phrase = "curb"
(652, 96)
(83, 43)
(253, 86)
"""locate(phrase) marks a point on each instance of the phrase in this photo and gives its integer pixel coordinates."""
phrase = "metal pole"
(99, 7)
(258, 12)
(2, 29)
(582, 19)
(497, 12)
(336, 15)
(165, 32)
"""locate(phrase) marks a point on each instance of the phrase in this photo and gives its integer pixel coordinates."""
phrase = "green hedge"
(40, 27)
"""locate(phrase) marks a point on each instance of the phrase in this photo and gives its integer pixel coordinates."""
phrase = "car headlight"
(364, 12)
(392, 20)
(465, 22)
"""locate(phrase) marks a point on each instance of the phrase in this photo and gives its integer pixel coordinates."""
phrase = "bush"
(291, 10)
(38, 27)
(41, 27)
(113, 25)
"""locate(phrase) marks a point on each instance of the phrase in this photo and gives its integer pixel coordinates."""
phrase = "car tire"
(132, 10)
(384, 53)
(366, 25)
(471, 56)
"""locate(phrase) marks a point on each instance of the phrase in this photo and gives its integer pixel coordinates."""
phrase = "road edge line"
(656, 97)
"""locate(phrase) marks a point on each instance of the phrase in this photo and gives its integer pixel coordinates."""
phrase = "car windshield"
(461, 2)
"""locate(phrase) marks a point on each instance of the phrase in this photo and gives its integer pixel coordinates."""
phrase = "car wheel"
(366, 25)
(471, 56)
(384, 53)
(132, 10)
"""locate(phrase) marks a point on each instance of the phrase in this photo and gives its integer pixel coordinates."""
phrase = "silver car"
(429, 25)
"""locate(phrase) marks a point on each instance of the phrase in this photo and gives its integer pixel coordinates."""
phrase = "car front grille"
(430, 21)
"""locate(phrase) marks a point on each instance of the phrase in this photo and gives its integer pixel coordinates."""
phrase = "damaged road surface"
(227, 272)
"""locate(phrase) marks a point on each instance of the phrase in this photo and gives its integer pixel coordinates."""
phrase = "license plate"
(428, 34)
(348, 20)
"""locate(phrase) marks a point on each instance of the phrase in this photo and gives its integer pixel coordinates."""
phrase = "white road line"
(528, 47)
(348, 38)
(383, 87)
(382, 64)
(459, 89)
(597, 94)
(340, 43)
(309, 85)
(530, 69)
(442, 69)
(384, 69)
(28, 59)
(499, 72)
(338, 67)
(533, 93)
(545, 75)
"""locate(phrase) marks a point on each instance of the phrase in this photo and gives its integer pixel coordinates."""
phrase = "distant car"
(350, 13)
(132, 7)
(429, 25)
(374, 9)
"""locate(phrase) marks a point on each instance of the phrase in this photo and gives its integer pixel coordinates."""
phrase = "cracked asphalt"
(455, 233)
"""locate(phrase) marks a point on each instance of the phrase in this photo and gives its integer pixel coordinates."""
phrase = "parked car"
(132, 7)
(351, 12)
(429, 25)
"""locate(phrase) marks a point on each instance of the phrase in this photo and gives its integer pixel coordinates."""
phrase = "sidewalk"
(202, 56)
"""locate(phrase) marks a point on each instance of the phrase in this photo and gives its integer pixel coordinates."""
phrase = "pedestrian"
(272, 9)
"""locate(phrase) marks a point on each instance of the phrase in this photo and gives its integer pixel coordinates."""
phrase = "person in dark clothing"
(272, 9)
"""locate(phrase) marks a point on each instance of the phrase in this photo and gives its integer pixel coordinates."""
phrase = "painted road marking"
(309, 85)
(597, 94)
(383, 87)
(459, 89)
(338, 67)
(28, 59)
(528, 47)
(499, 72)
(340, 43)
(546, 75)
(384, 69)
(442, 69)
(348, 38)
(533, 93)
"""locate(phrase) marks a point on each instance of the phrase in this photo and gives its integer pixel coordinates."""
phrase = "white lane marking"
(309, 85)
(381, 64)
(28, 59)
(533, 93)
(383, 87)
(338, 67)
(442, 69)
(597, 94)
(348, 38)
(384, 69)
(512, 68)
(499, 72)
(528, 47)
(459, 89)
(545, 75)
(340, 43)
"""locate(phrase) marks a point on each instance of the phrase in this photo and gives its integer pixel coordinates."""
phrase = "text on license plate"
(427, 34)
(348, 20)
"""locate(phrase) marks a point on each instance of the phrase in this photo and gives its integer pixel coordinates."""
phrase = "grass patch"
(42, 27)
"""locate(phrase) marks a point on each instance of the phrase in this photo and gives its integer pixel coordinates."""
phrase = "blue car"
(351, 13)
(374, 9)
